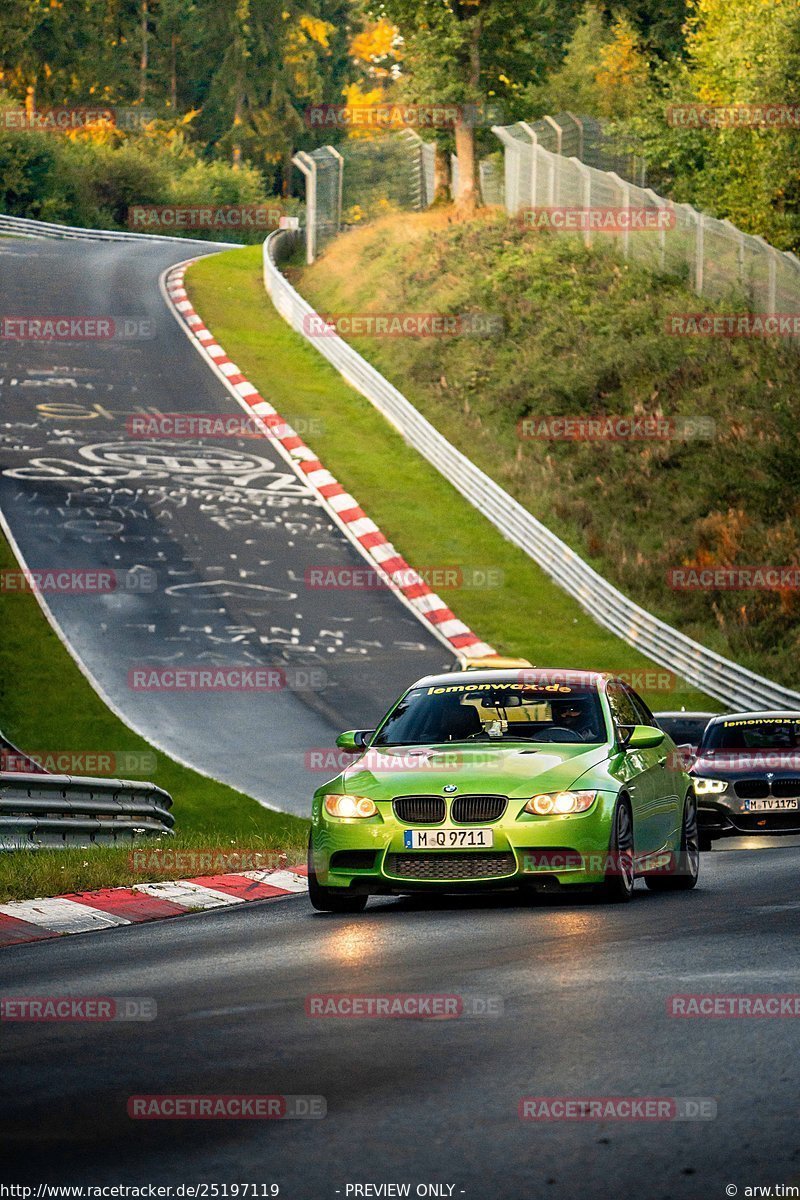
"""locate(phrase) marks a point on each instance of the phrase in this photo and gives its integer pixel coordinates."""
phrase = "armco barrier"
(717, 676)
(64, 810)
(28, 228)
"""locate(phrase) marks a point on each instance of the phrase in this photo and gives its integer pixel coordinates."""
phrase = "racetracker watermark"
(211, 860)
(734, 116)
(610, 862)
(69, 581)
(732, 325)
(734, 579)
(403, 324)
(177, 426)
(332, 762)
(67, 120)
(226, 679)
(735, 1005)
(615, 428)
(647, 680)
(368, 579)
(399, 1005)
(115, 763)
(204, 216)
(617, 1108)
(402, 116)
(48, 327)
(78, 1008)
(602, 219)
(227, 1108)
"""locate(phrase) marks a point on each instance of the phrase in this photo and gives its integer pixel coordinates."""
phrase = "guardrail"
(27, 227)
(8, 749)
(711, 672)
(41, 810)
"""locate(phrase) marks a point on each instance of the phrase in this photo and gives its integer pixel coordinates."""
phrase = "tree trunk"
(145, 53)
(173, 72)
(441, 175)
(468, 198)
(467, 195)
(286, 173)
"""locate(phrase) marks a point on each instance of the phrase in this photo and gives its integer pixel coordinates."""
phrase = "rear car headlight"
(710, 787)
(350, 806)
(560, 803)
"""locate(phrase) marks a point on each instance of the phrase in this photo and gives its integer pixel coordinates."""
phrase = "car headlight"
(710, 787)
(560, 803)
(350, 806)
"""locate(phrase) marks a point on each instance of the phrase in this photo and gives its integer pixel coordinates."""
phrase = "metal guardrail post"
(306, 164)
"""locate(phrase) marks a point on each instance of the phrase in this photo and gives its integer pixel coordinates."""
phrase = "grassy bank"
(430, 523)
(584, 335)
(46, 703)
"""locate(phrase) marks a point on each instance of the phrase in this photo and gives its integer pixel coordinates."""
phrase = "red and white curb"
(344, 509)
(82, 912)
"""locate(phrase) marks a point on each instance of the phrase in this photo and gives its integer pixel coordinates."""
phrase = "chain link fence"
(717, 259)
(565, 161)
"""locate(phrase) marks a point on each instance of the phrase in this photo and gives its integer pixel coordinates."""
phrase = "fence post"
(586, 176)
(579, 123)
(662, 233)
(309, 168)
(625, 188)
(337, 155)
(531, 132)
(699, 252)
(555, 125)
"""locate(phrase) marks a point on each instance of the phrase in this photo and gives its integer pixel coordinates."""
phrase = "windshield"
(494, 712)
(753, 733)
(684, 730)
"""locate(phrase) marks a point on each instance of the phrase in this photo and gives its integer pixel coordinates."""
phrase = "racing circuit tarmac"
(224, 530)
(584, 993)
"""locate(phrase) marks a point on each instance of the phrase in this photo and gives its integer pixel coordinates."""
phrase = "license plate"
(791, 805)
(448, 839)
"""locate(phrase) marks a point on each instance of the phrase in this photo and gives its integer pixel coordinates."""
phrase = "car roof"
(529, 675)
(791, 713)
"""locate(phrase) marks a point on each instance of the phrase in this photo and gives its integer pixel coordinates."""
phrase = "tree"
(469, 52)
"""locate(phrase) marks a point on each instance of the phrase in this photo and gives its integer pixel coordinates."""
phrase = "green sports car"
(505, 779)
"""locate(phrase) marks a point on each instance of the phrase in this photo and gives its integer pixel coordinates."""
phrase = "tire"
(689, 863)
(706, 842)
(617, 888)
(333, 900)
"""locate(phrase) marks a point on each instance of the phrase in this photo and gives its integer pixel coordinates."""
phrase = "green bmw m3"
(505, 779)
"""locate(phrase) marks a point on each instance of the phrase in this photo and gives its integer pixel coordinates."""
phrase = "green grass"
(584, 335)
(425, 518)
(46, 703)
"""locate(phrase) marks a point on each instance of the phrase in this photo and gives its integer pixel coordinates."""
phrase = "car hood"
(728, 764)
(516, 771)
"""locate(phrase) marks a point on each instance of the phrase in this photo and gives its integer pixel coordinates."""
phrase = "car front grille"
(420, 810)
(785, 788)
(759, 789)
(751, 789)
(478, 810)
(450, 867)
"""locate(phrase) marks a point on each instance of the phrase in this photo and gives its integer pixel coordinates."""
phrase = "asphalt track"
(213, 538)
(584, 991)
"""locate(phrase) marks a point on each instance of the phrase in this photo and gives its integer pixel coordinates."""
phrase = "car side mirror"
(354, 740)
(644, 737)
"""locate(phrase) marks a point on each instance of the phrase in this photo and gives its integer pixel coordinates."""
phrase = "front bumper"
(370, 855)
(727, 817)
